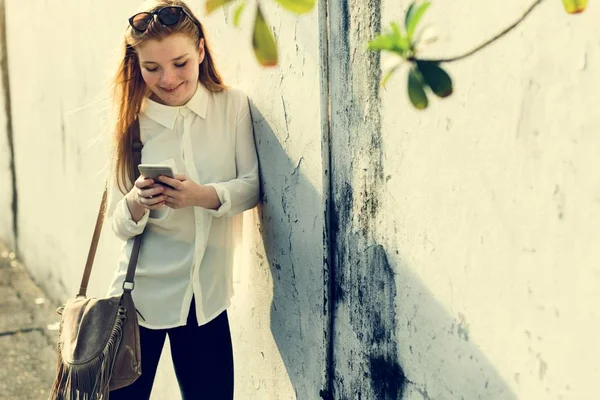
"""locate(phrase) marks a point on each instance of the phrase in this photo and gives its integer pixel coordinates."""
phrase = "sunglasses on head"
(167, 16)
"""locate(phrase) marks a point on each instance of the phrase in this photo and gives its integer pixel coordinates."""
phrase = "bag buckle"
(128, 289)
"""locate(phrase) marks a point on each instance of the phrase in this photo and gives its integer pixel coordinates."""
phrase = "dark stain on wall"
(364, 289)
(387, 377)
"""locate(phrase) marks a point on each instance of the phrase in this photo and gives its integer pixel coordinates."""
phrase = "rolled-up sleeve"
(242, 193)
(118, 212)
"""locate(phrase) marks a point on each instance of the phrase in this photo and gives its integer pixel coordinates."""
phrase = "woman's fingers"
(170, 203)
(156, 206)
(151, 198)
(151, 192)
(151, 201)
(142, 182)
(174, 183)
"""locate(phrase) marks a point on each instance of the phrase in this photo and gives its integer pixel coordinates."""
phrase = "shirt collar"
(166, 115)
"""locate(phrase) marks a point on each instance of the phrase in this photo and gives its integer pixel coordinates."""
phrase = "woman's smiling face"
(170, 67)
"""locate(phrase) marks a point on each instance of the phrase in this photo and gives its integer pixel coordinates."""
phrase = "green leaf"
(382, 42)
(297, 6)
(263, 41)
(575, 6)
(238, 13)
(409, 12)
(416, 89)
(212, 5)
(413, 16)
(396, 29)
(392, 40)
(436, 78)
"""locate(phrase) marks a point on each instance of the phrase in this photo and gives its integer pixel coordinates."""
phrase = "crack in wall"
(8, 113)
(21, 331)
(327, 184)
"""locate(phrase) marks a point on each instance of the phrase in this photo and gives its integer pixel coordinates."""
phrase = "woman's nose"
(168, 79)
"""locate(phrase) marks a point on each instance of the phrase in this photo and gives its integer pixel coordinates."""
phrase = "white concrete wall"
(500, 200)
(484, 214)
(60, 64)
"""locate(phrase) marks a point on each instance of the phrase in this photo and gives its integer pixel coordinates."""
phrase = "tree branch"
(492, 40)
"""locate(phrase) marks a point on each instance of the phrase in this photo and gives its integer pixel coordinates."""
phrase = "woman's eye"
(151, 69)
(181, 65)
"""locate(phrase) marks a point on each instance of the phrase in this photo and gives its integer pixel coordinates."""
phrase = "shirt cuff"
(224, 197)
(124, 225)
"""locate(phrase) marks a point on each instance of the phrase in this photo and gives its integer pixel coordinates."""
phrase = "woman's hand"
(145, 195)
(187, 193)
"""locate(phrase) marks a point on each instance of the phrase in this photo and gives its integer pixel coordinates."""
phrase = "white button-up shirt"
(189, 252)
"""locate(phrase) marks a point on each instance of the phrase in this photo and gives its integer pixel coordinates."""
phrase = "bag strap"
(136, 146)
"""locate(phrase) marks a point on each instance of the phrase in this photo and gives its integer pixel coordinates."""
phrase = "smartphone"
(153, 171)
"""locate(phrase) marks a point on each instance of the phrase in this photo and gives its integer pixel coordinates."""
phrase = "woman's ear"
(201, 50)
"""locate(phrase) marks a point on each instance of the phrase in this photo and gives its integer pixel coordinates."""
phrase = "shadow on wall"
(391, 338)
(449, 364)
(291, 215)
(381, 299)
(438, 361)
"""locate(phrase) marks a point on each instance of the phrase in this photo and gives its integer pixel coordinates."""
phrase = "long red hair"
(130, 88)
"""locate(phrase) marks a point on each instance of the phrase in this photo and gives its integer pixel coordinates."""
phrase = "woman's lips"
(173, 89)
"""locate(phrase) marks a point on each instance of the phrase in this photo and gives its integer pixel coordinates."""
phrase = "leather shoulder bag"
(99, 344)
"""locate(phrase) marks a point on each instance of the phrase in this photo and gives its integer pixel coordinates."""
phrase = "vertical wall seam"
(328, 237)
(9, 127)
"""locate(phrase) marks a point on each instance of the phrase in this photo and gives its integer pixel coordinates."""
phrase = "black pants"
(202, 357)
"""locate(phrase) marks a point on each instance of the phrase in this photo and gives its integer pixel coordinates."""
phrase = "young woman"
(189, 120)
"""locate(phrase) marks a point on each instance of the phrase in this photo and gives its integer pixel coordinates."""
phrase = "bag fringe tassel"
(89, 381)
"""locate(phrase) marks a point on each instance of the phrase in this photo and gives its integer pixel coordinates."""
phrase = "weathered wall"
(464, 264)
(466, 236)
(279, 311)
(58, 76)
